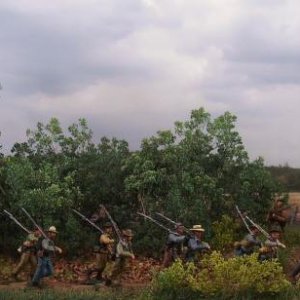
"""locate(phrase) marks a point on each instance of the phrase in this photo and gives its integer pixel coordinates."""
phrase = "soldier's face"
(275, 235)
(108, 230)
(180, 230)
(199, 234)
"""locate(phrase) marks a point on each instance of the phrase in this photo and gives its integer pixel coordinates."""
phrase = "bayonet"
(34, 223)
(114, 224)
(16, 221)
(87, 220)
(157, 223)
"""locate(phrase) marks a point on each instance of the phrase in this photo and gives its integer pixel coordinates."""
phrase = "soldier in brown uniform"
(276, 216)
(104, 251)
(123, 254)
(28, 254)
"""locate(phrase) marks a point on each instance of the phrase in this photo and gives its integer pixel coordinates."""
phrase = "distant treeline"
(287, 176)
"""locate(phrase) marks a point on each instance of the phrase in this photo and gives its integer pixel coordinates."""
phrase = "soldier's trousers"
(168, 258)
(26, 258)
(44, 269)
(120, 265)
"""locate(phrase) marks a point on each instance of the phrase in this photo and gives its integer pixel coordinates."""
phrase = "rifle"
(16, 221)
(86, 219)
(35, 224)
(264, 232)
(171, 221)
(114, 224)
(243, 219)
(157, 223)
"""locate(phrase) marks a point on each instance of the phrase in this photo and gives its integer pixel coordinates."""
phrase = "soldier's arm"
(176, 239)
(122, 252)
(252, 240)
(269, 243)
(104, 239)
(48, 245)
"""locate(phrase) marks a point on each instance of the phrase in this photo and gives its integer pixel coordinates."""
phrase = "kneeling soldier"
(195, 244)
(123, 254)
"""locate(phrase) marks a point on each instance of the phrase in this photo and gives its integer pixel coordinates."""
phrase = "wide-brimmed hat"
(198, 228)
(127, 232)
(52, 229)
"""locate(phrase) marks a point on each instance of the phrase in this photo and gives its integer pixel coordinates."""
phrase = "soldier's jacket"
(270, 249)
(276, 216)
(124, 250)
(175, 244)
(30, 244)
(105, 244)
(195, 246)
(46, 247)
(249, 243)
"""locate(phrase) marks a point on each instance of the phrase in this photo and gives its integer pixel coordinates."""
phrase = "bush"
(220, 277)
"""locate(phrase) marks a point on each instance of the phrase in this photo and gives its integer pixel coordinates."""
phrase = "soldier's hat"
(107, 224)
(52, 229)
(127, 232)
(198, 228)
(275, 229)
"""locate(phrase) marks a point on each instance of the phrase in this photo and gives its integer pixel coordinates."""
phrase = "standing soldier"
(123, 254)
(28, 254)
(195, 244)
(104, 250)
(249, 243)
(174, 246)
(45, 251)
(276, 216)
(272, 244)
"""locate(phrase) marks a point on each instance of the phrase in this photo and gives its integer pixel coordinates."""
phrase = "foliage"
(225, 233)
(220, 277)
(193, 173)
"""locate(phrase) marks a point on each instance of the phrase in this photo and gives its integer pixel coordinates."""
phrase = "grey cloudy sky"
(132, 67)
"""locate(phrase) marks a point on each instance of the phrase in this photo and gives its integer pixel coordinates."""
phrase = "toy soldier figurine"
(275, 215)
(272, 244)
(104, 250)
(28, 254)
(195, 244)
(249, 243)
(174, 246)
(123, 254)
(45, 251)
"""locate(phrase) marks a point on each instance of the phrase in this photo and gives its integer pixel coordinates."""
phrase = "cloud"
(132, 67)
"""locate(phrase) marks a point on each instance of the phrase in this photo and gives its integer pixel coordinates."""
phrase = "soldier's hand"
(281, 245)
(132, 257)
(59, 250)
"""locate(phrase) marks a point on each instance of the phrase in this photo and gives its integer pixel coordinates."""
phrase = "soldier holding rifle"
(27, 250)
(104, 251)
(272, 245)
(46, 250)
(250, 242)
(196, 245)
(28, 254)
